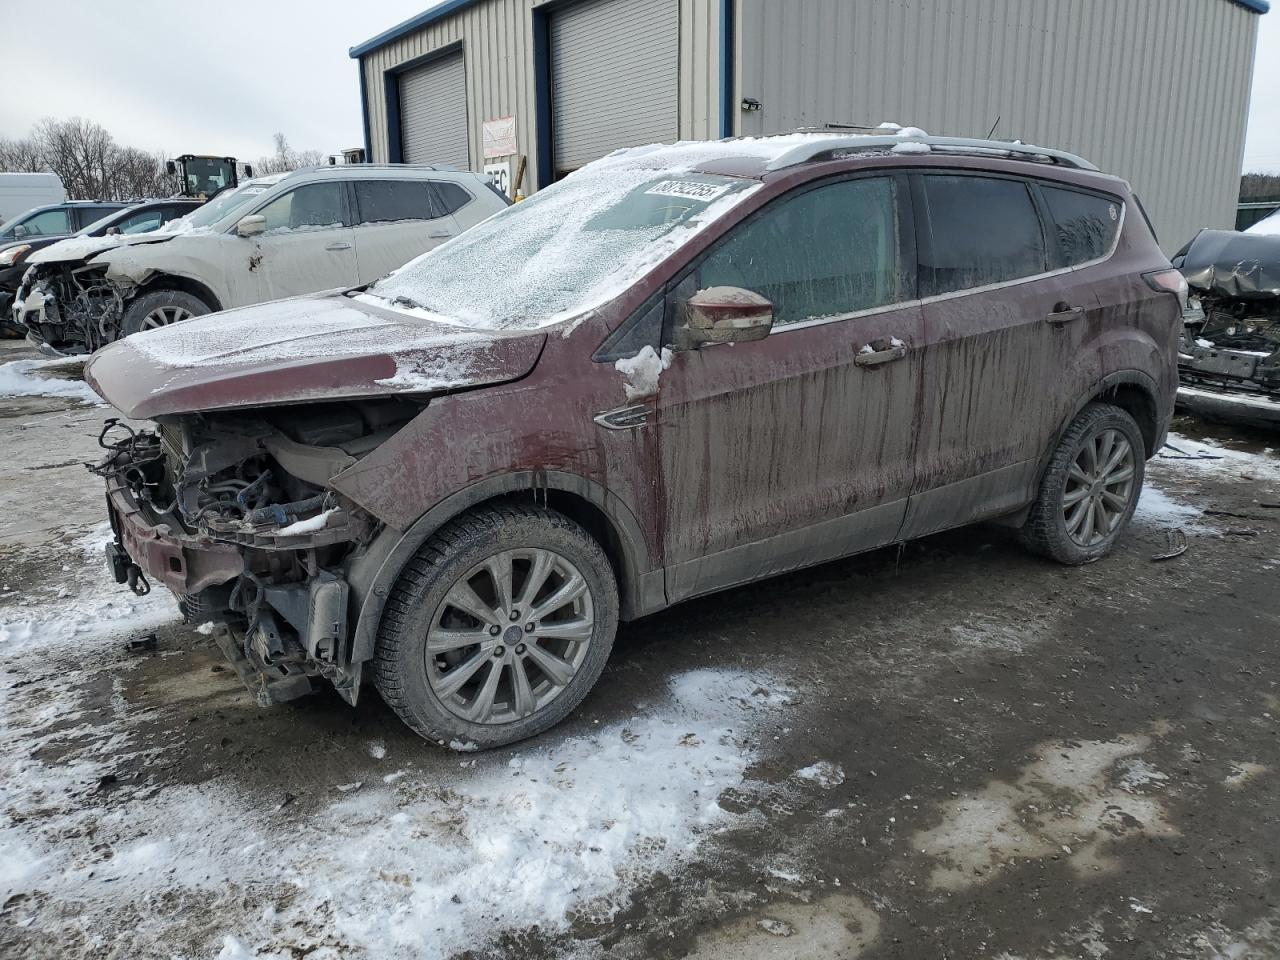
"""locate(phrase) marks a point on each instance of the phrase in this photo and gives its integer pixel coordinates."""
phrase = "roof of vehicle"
(357, 171)
(756, 157)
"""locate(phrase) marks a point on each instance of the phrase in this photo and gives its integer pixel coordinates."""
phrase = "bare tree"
(22, 156)
(138, 174)
(286, 158)
(81, 153)
(1259, 186)
(93, 166)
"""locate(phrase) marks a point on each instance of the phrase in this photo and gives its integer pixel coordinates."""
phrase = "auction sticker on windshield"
(688, 190)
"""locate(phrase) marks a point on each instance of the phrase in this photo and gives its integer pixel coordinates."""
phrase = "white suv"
(273, 237)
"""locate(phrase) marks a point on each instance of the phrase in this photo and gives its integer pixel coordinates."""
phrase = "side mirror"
(171, 168)
(20, 231)
(252, 225)
(248, 171)
(724, 315)
(113, 231)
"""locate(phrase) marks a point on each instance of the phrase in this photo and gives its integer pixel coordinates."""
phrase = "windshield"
(571, 247)
(207, 175)
(220, 206)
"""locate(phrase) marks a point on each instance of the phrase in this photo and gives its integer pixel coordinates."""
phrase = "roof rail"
(439, 167)
(835, 143)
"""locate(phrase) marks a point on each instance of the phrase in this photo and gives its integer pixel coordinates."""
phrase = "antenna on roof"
(993, 127)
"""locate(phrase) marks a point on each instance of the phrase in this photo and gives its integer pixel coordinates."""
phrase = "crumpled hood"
(84, 248)
(320, 347)
(1237, 266)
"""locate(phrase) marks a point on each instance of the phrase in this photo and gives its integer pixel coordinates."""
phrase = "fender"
(1120, 378)
(373, 573)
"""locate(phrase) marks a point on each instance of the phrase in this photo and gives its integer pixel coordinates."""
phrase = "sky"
(222, 79)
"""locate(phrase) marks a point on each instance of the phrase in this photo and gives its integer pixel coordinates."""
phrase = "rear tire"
(160, 308)
(1090, 488)
(455, 658)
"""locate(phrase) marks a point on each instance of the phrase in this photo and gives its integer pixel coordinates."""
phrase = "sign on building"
(499, 137)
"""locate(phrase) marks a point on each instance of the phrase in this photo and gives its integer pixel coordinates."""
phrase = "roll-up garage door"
(615, 77)
(433, 113)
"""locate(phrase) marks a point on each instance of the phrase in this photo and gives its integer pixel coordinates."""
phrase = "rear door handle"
(1064, 313)
(439, 235)
(869, 356)
(340, 245)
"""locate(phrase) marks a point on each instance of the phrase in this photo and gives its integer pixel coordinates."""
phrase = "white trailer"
(19, 192)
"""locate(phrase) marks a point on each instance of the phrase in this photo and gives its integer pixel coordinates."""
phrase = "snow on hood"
(1267, 226)
(83, 248)
(324, 346)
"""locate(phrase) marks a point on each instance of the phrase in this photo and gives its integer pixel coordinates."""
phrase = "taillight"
(1169, 281)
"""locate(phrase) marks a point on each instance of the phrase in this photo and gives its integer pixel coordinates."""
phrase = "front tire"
(1090, 489)
(160, 308)
(497, 628)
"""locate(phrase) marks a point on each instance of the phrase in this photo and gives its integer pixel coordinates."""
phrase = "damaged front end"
(1229, 358)
(69, 308)
(233, 513)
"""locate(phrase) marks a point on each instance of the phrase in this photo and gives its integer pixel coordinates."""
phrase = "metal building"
(1156, 91)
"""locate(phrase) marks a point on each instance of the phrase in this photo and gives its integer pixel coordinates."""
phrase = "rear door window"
(386, 201)
(1086, 223)
(981, 231)
(826, 252)
(449, 197)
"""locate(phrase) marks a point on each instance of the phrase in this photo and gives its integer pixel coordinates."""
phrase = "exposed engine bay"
(1229, 358)
(234, 514)
(71, 308)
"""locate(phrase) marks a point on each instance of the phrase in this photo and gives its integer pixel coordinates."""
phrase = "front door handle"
(880, 351)
(339, 245)
(439, 235)
(1064, 313)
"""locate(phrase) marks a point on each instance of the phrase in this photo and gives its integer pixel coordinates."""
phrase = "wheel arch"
(609, 520)
(1133, 391)
(173, 281)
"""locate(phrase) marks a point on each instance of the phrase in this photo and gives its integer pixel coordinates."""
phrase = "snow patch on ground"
(1189, 459)
(824, 773)
(641, 372)
(1072, 800)
(17, 379)
(414, 864)
(1157, 507)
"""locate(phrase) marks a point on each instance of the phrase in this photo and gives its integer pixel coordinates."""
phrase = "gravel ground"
(951, 750)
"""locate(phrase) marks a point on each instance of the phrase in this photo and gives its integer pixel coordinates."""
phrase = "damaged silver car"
(274, 237)
(1229, 358)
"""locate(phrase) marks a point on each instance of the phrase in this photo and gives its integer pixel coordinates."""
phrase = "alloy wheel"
(1100, 487)
(163, 316)
(509, 636)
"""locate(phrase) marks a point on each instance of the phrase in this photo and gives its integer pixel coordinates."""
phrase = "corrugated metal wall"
(497, 39)
(592, 46)
(1155, 92)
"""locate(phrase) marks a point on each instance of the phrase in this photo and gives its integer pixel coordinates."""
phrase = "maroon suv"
(678, 370)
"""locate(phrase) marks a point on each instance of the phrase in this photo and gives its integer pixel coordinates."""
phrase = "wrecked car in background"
(1229, 360)
(678, 370)
(273, 237)
(140, 217)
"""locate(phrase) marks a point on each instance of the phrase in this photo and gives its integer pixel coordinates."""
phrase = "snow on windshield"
(222, 205)
(579, 243)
